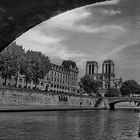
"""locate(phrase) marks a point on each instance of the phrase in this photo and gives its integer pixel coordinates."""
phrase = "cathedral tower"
(108, 73)
(92, 69)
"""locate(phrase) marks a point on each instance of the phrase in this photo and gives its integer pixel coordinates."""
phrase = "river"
(72, 125)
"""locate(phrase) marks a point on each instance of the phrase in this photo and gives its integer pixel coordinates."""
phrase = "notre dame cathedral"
(107, 76)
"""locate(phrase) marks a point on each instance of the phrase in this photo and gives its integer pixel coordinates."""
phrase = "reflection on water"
(73, 125)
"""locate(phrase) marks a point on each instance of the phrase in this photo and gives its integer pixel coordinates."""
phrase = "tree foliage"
(14, 60)
(10, 59)
(130, 87)
(38, 65)
(112, 92)
(89, 85)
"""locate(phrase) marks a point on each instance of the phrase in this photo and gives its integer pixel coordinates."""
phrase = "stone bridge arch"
(18, 16)
(114, 100)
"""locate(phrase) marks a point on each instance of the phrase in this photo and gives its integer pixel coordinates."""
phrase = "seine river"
(73, 125)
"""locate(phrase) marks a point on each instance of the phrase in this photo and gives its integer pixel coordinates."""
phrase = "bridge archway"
(18, 16)
(112, 104)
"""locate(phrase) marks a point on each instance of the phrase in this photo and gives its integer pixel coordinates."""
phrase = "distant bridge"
(113, 100)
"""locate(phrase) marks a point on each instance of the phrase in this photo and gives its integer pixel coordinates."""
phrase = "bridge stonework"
(18, 16)
(111, 101)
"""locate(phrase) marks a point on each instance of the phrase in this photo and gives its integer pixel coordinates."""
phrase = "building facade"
(63, 78)
(107, 76)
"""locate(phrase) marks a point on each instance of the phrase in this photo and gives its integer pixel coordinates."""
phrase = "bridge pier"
(111, 106)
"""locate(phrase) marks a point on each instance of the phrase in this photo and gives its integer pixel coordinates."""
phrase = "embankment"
(19, 99)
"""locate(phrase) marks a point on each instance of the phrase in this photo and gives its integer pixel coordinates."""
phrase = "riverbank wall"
(18, 98)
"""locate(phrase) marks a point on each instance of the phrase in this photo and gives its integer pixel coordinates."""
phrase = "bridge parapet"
(114, 100)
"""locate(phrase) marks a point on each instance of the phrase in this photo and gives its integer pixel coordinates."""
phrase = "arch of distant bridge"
(113, 100)
(18, 16)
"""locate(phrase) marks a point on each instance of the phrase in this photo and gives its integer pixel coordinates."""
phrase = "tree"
(129, 87)
(14, 60)
(6, 64)
(112, 92)
(35, 66)
(10, 60)
(18, 54)
(89, 85)
(40, 65)
(26, 70)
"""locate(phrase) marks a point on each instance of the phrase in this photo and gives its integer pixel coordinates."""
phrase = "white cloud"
(62, 52)
(110, 2)
(35, 40)
(68, 19)
(72, 21)
(104, 28)
(49, 45)
(118, 49)
(110, 12)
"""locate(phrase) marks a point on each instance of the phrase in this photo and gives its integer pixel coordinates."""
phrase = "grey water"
(70, 125)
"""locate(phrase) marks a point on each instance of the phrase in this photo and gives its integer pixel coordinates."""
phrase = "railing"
(121, 99)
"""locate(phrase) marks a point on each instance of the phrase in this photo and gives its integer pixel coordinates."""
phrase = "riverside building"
(62, 79)
(107, 76)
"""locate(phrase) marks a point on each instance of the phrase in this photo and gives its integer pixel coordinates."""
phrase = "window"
(58, 80)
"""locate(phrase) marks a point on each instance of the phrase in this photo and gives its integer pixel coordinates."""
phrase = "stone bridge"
(18, 16)
(113, 100)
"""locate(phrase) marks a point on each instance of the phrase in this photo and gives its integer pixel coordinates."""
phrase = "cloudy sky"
(109, 30)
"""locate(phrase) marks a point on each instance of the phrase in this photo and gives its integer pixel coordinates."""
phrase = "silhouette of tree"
(112, 92)
(129, 87)
(89, 85)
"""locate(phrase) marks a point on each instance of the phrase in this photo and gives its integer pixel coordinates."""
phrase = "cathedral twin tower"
(107, 76)
(107, 68)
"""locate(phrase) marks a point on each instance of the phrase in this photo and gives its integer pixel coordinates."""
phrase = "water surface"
(73, 125)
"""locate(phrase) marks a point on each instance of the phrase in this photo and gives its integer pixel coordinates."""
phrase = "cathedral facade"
(107, 76)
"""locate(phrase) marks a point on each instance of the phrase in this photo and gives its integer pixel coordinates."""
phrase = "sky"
(107, 30)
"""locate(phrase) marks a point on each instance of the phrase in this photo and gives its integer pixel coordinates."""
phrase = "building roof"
(69, 64)
(92, 62)
(108, 61)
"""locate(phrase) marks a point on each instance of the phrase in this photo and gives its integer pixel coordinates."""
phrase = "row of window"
(60, 69)
(62, 87)
(59, 87)
(63, 81)
(59, 74)
(62, 75)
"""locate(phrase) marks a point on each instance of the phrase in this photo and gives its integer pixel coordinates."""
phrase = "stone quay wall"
(20, 97)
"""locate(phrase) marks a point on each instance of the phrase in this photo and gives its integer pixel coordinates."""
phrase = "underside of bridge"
(112, 105)
(18, 16)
